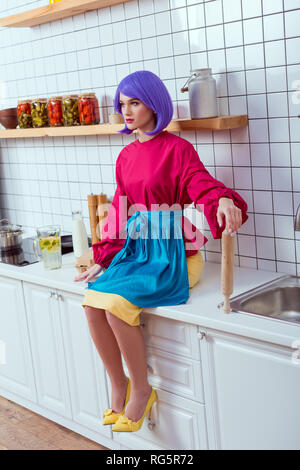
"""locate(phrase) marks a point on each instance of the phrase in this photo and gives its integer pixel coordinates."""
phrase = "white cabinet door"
(85, 369)
(176, 423)
(251, 393)
(16, 371)
(47, 349)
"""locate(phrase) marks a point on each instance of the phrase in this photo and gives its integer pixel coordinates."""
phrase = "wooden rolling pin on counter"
(227, 268)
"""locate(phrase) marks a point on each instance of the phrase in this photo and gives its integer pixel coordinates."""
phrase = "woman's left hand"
(233, 215)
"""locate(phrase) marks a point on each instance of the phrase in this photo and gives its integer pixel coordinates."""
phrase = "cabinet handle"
(56, 296)
(201, 335)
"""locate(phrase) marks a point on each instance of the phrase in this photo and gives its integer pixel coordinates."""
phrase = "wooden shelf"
(177, 125)
(55, 12)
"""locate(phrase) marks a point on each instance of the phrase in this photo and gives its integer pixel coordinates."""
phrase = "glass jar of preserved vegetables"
(39, 112)
(88, 109)
(54, 106)
(24, 114)
(70, 110)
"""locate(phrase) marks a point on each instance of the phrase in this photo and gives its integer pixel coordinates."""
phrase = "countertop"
(201, 308)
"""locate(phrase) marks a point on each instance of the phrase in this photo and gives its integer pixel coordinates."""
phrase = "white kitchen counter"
(201, 308)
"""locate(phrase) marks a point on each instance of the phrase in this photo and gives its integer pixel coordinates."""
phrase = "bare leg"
(110, 354)
(131, 343)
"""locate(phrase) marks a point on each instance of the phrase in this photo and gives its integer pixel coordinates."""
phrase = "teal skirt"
(151, 268)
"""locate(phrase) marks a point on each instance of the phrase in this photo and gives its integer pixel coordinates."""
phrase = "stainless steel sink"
(278, 299)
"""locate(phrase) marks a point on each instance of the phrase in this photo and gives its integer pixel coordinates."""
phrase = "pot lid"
(9, 228)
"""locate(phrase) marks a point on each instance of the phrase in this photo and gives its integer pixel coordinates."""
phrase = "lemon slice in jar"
(50, 244)
(55, 245)
(44, 243)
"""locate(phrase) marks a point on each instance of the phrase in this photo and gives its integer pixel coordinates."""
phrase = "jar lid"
(55, 98)
(24, 101)
(88, 95)
(65, 97)
(39, 100)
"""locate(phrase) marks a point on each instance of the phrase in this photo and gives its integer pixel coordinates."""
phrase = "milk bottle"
(79, 235)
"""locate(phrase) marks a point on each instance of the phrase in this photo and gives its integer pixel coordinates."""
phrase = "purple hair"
(147, 87)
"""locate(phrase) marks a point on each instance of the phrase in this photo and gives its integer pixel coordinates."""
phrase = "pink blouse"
(165, 170)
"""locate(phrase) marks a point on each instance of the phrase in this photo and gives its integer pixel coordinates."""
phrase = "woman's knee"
(94, 314)
(195, 265)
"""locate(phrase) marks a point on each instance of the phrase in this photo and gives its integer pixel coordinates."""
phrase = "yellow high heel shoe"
(126, 425)
(109, 416)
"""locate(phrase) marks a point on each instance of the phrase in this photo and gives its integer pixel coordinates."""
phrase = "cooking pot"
(13, 256)
(10, 235)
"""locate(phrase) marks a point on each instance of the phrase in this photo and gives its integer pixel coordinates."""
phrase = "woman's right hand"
(88, 274)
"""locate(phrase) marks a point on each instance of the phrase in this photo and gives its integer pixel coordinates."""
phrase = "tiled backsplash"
(253, 48)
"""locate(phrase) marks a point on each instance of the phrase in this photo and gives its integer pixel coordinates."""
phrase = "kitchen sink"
(278, 299)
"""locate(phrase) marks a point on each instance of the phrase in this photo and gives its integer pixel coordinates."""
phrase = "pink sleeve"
(201, 188)
(113, 232)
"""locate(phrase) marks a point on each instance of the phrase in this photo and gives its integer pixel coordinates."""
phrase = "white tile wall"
(253, 48)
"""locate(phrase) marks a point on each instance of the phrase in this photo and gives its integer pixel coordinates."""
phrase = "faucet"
(297, 220)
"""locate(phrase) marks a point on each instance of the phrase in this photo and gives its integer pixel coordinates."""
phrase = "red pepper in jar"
(24, 114)
(55, 111)
(88, 109)
(23, 108)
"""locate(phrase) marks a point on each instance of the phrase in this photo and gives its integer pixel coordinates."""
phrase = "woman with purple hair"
(149, 251)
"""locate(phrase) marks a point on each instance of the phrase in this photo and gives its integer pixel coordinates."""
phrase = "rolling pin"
(94, 219)
(227, 268)
(102, 204)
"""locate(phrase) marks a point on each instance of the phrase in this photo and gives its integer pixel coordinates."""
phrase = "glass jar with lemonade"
(49, 240)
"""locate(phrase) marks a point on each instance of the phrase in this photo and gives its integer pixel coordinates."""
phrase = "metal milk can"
(202, 90)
